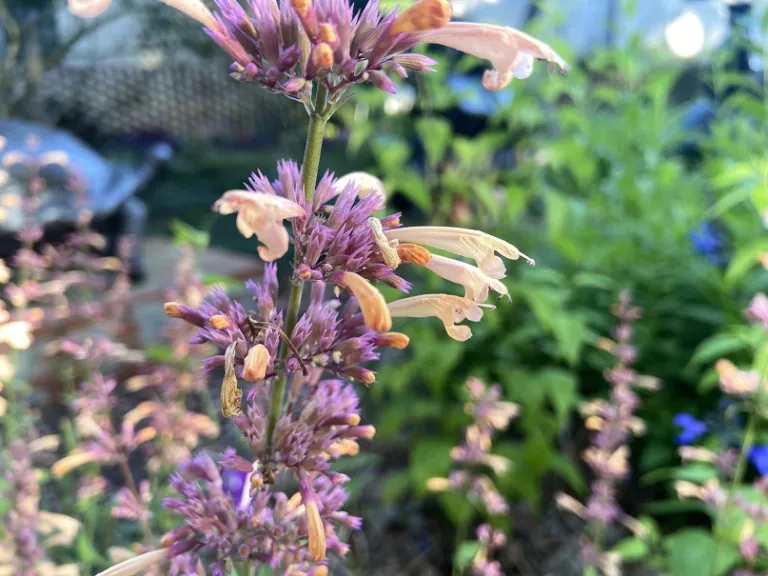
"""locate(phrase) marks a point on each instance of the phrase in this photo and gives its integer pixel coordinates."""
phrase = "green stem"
(309, 169)
(130, 483)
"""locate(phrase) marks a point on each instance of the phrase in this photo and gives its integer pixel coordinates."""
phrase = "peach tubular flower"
(450, 309)
(479, 246)
(261, 215)
(138, 564)
(476, 283)
(511, 52)
(375, 312)
(194, 9)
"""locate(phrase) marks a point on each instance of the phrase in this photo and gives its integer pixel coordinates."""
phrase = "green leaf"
(186, 235)
(86, 553)
(632, 549)
(465, 554)
(691, 552)
(429, 457)
(394, 486)
(718, 346)
(744, 260)
(571, 333)
(411, 185)
(593, 280)
(435, 135)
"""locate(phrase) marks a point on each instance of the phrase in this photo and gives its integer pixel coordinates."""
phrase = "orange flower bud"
(301, 7)
(172, 309)
(372, 303)
(316, 533)
(423, 15)
(322, 56)
(414, 254)
(395, 340)
(256, 362)
(220, 322)
(327, 34)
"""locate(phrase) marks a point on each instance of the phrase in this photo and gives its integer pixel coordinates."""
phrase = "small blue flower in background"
(708, 241)
(759, 457)
(692, 429)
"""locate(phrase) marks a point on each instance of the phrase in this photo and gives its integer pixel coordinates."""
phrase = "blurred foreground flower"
(289, 46)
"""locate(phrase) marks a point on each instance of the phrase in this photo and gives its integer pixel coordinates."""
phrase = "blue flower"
(692, 429)
(233, 482)
(708, 241)
(759, 457)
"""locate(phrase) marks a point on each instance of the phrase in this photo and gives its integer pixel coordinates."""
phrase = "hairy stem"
(130, 483)
(309, 169)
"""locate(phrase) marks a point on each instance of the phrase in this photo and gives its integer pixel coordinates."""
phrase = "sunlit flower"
(511, 52)
(17, 334)
(450, 309)
(476, 283)
(261, 215)
(479, 246)
(366, 184)
(256, 362)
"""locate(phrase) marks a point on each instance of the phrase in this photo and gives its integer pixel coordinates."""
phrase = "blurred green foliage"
(581, 173)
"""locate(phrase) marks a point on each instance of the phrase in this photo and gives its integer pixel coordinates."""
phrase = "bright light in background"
(400, 103)
(685, 35)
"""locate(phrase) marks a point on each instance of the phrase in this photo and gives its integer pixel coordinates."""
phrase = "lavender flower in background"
(489, 413)
(613, 423)
(490, 540)
(691, 428)
(28, 531)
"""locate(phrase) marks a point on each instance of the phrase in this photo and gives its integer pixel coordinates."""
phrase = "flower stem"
(130, 483)
(309, 169)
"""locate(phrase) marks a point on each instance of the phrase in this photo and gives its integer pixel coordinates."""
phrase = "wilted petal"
(476, 283)
(479, 246)
(231, 396)
(450, 309)
(388, 248)
(510, 51)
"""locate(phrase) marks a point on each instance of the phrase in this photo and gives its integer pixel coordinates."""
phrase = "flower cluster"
(25, 523)
(613, 423)
(489, 413)
(312, 51)
(288, 47)
(490, 540)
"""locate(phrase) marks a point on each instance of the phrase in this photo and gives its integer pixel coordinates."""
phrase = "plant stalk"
(130, 483)
(309, 169)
